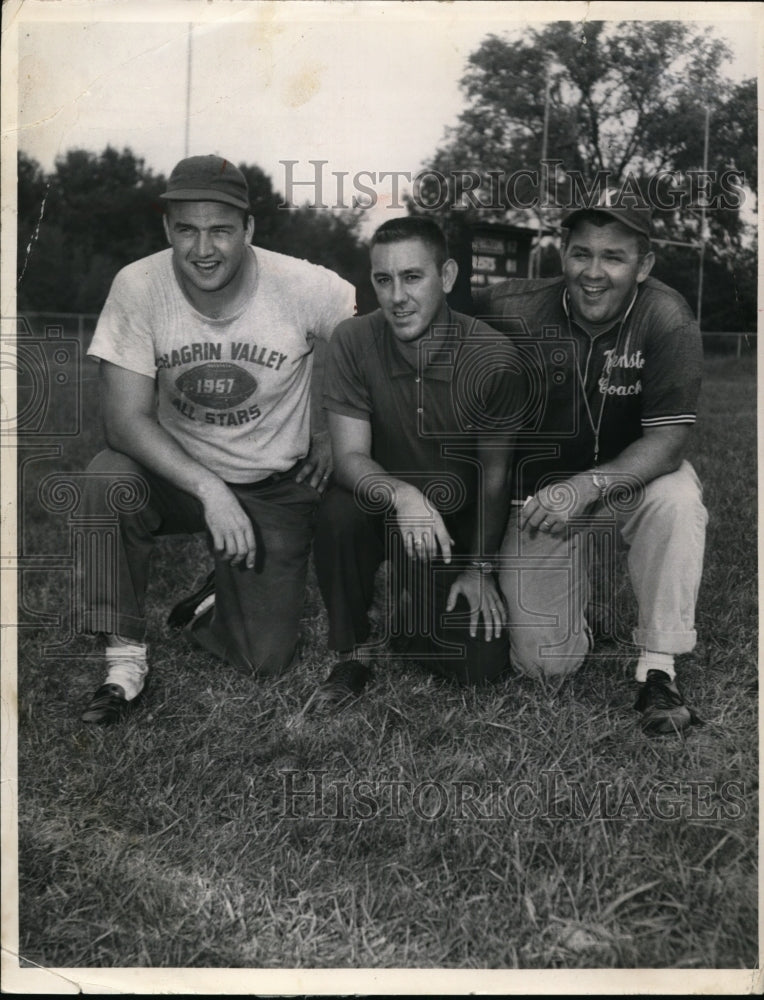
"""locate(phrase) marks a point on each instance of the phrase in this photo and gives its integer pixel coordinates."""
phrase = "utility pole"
(544, 142)
(188, 89)
(702, 252)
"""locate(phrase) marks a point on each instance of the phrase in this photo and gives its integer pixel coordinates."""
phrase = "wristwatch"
(483, 565)
(601, 483)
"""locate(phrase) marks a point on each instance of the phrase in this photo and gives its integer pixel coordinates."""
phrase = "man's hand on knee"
(233, 536)
(317, 465)
(483, 599)
(550, 509)
(422, 528)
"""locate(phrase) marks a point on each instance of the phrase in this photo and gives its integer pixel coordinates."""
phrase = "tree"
(328, 238)
(623, 103)
(79, 225)
(622, 98)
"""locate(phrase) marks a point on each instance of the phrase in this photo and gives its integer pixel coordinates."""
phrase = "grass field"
(510, 827)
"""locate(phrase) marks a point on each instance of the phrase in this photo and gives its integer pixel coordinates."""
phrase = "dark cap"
(625, 205)
(207, 178)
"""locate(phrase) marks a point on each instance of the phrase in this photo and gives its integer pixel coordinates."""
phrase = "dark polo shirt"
(426, 419)
(645, 371)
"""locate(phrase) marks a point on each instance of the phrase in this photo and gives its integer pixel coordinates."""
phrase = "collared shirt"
(645, 371)
(426, 419)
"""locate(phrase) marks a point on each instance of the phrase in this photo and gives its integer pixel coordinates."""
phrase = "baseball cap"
(207, 178)
(626, 206)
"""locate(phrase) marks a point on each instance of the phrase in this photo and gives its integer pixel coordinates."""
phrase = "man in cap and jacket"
(205, 354)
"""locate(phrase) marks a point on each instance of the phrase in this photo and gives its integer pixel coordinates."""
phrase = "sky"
(364, 86)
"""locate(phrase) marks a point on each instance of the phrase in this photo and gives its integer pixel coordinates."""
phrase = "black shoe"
(662, 706)
(347, 680)
(107, 705)
(186, 610)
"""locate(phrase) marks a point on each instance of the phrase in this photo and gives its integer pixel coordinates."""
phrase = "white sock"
(207, 602)
(650, 660)
(127, 667)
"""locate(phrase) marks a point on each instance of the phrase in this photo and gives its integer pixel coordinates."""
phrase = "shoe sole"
(665, 725)
(104, 716)
(337, 694)
(112, 713)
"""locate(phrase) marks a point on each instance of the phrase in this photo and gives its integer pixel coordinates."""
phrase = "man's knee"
(485, 663)
(479, 662)
(484, 660)
(115, 485)
(532, 653)
(276, 661)
(677, 495)
(113, 463)
(262, 652)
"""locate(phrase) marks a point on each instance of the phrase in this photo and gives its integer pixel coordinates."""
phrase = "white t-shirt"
(234, 392)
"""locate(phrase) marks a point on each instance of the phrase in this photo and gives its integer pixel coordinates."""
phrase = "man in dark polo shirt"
(617, 357)
(422, 402)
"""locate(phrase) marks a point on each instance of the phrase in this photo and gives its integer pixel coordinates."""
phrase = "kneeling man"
(206, 353)
(621, 359)
(422, 403)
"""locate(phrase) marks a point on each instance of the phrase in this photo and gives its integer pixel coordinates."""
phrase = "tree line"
(560, 106)
(95, 213)
(627, 101)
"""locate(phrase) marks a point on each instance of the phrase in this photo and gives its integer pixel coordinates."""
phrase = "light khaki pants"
(545, 578)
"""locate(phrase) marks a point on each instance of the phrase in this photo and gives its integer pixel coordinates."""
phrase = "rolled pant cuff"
(104, 620)
(666, 642)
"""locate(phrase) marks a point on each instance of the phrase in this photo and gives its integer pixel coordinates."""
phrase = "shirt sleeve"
(672, 373)
(123, 333)
(346, 390)
(332, 300)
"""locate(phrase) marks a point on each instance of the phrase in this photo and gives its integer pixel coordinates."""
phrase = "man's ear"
(448, 274)
(645, 266)
(166, 224)
(249, 229)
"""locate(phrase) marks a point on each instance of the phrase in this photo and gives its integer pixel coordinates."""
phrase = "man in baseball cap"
(625, 206)
(605, 452)
(207, 178)
(205, 354)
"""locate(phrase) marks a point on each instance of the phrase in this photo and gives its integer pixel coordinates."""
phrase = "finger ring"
(547, 523)
(418, 542)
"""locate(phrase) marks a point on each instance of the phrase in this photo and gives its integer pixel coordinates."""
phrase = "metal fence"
(713, 340)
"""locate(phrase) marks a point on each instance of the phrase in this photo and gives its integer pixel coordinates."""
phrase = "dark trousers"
(349, 547)
(256, 618)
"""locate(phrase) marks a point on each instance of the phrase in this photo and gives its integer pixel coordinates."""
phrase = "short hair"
(600, 219)
(414, 227)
